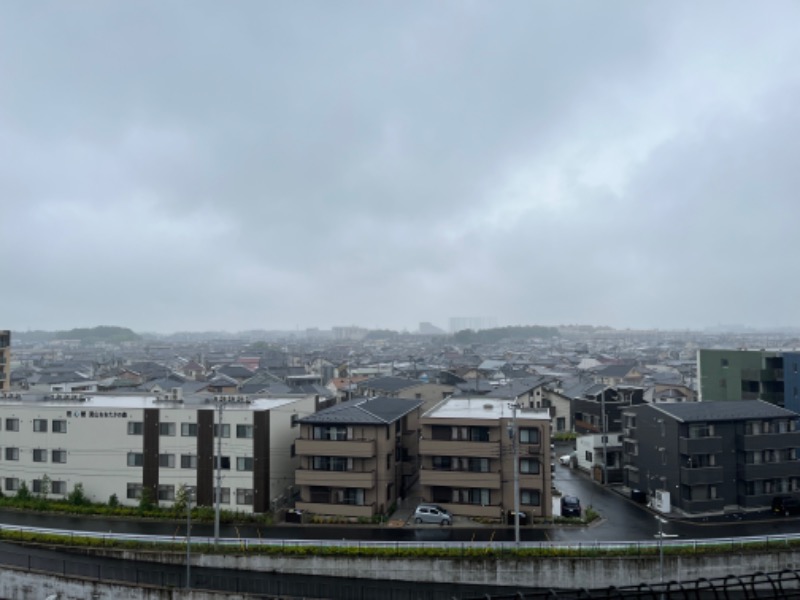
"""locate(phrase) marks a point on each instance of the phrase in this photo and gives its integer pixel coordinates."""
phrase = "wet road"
(622, 520)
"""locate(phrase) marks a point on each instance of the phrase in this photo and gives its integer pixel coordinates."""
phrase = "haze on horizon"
(199, 166)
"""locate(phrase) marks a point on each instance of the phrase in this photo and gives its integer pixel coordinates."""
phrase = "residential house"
(468, 455)
(402, 387)
(127, 446)
(712, 456)
(358, 458)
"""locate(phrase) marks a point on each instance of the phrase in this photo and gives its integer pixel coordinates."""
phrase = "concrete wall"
(528, 572)
(34, 586)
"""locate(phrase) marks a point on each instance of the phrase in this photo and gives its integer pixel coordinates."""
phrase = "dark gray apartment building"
(712, 456)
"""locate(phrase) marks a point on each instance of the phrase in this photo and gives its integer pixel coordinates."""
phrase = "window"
(189, 429)
(389, 461)
(39, 455)
(244, 463)
(530, 497)
(529, 435)
(700, 430)
(134, 491)
(442, 463)
(166, 492)
(135, 459)
(166, 461)
(353, 496)
(724, 363)
(244, 431)
(478, 434)
(58, 456)
(59, 426)
(58, 487)
(588, 456)
(332, 432)
(39, 486)
(561, 423)
(40, 425)
(135, 428)
(223, 461)
(12, 453)
(166, 429)
(244, 496)
(12, 424)
(188, 461)
(530, 466)
(224, 495)
(12, 484)
(480, 496)
(478, 465)
(226, 430)
(331, 463)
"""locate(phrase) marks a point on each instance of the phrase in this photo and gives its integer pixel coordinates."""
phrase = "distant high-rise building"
(349, 333)
(474, 323)
(5, 360)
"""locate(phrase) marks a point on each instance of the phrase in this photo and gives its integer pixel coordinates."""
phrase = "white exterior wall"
(97, 444)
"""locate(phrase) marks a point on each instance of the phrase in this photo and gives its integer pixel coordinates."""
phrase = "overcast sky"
(174, 166)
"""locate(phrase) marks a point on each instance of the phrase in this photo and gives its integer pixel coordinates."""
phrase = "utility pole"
(604, 434)
(512, 432)
(218, 486)
(188, 538)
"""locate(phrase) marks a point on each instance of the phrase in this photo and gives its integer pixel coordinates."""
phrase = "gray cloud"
(204, 165)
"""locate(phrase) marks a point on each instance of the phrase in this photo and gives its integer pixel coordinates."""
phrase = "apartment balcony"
(768, 441)
(768, 470)
(342, 510)
(700, 445)
(436, 477)
(459, 448)
(701, 475)
(702, 506)
(347, 479)
(348, 448)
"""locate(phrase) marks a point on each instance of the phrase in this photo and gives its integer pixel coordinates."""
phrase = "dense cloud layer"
(207, 165)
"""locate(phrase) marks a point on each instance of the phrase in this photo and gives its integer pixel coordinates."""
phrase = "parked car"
(570, 506)
(432, 513)
(786, 505)
(566, 459)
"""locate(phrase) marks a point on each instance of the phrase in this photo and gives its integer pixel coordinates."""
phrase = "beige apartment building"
(5, 360)
(358, 458)
(467, 456)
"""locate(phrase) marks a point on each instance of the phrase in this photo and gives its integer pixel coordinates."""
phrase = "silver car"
(432, 513)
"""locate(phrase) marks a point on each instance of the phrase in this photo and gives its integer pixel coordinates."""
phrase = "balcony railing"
(701, 475)
(348, 479)
(459, 478)
(700, 445)
(767, 441)
(459, 448)
(349, 448)
(770, 470)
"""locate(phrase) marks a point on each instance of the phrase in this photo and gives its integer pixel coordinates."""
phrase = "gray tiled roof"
(389, 384)
(365, 411)
(724, 410)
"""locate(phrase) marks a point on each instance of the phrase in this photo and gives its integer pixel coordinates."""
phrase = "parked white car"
(432, 513)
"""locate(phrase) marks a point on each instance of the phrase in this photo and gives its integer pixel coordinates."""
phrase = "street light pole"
(188, 538)
(660, 548)
(218, 486)
(515, 444)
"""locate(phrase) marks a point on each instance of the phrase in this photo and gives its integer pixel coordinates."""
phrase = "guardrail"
(629, 548)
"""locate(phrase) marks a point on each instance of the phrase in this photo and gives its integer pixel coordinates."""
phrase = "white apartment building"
(121, 445)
